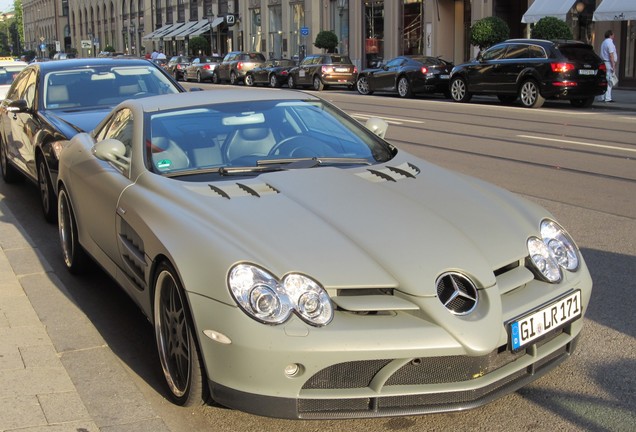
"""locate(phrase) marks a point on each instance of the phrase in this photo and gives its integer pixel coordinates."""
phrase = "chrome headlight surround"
(554, 252)
(270, 300)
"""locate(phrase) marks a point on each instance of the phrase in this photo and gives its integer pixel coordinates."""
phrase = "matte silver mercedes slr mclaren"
(295, 264)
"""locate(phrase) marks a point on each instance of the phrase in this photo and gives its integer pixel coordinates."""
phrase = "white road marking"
(578, 143)
(388, 119)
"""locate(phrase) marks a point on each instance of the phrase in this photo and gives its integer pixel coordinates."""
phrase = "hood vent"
(391, 173)
(235, 190)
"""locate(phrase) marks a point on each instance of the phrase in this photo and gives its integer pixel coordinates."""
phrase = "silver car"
(202, 68)
(295, 264)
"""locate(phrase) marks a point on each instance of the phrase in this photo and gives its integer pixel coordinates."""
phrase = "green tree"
(326, 39)
(551, 28)
(489, 31)
(199, 43)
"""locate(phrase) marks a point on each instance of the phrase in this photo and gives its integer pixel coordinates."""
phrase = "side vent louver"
(391, 173)
(235, 190)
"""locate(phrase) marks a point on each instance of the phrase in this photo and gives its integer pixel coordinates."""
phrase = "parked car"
(50, 102)
(532, 70)
(177, 66)
(273, 73)
(235, 65)
(9, 70)
(162, 62)
(202, 68)
(63, 56)
(252, 227)
(320, 71)
(407, 75)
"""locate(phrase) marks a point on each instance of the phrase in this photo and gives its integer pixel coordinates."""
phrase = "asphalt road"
(579, 164)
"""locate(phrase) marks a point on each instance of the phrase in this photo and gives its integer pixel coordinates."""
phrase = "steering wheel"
(301, 146)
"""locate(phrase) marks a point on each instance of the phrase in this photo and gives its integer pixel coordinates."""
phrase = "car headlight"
(267, 299)
(554, 251)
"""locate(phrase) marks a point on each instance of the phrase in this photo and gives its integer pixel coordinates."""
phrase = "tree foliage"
(489, 31)
(551, 28)
(199, 43)
(327, 40)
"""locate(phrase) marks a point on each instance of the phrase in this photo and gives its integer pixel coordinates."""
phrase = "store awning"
(543, 8)
(615, 10)
(158, 32)
(215, 23)
(193, 28)
(184, 28)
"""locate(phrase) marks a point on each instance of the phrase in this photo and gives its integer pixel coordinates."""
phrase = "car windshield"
(103, 86)
(251, 137)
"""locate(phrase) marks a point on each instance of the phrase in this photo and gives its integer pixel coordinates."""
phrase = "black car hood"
(71, 122)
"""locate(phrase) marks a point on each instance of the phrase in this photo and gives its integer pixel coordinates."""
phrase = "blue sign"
(304, 31)
(42, 47)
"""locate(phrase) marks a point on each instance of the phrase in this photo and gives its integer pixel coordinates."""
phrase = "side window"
(395, 62)
(20, 84)
(120, 127)
(535, 51)
(517, 52)
(494, 53)
(29, 91)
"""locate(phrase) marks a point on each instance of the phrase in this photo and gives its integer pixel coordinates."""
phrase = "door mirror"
(113, 151)
(18, 106)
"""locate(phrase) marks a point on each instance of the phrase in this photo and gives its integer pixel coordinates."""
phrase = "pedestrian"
(609, 56)
(161, 55)
(154, 54)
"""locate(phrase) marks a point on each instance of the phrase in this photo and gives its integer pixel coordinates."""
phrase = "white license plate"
(544, 320)
(342, 70)
(444, 76)
(587, 71)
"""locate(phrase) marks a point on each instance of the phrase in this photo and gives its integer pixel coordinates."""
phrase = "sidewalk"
(56, 371)
(623, 100)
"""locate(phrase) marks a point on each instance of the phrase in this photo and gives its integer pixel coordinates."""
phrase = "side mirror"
(18, 106)
(377, 126)
(113, 151)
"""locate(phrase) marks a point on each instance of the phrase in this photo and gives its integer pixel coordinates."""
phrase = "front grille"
(346, 375)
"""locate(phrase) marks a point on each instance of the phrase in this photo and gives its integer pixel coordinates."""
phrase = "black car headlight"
(270, 300)
(554, 252)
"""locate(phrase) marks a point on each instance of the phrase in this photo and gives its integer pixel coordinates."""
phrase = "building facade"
(368, 31)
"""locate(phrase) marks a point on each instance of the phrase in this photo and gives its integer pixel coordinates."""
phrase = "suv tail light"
(602, 67)
(355, 69)
(424, 70)
(207, 67)
(562, 67)
(239, 65)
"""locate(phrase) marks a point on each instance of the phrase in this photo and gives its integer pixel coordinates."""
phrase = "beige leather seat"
(249, 141)
(167, 155)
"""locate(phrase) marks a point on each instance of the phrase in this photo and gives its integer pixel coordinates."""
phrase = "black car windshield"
(103, 86)
(257, 134)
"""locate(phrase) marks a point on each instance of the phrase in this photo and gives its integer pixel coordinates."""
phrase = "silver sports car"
(295, 264)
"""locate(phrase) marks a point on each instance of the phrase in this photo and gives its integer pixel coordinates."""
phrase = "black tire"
(177, 346)
(459, 90)
(249, 80)
(362, 85)
(273, 81)
(199, 80)
(404, 88)
(233, 78)
(47, 195)
(507, 99)
(318, 84)
(582, 103)
(9, 173)
(290, 82)
(215, 78)
(75, 257)
(529, 94)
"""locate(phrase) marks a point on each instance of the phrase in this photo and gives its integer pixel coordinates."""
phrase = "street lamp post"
(133, 39)
(210, 19)
(90, 37)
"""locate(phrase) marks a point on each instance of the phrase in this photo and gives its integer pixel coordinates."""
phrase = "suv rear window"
(336, 59)
(579, 53)
(253, 57)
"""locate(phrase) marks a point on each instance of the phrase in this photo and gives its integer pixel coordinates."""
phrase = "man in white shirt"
(609, 56)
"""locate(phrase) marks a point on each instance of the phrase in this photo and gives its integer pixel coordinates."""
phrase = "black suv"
(322, 70)
(532, 70)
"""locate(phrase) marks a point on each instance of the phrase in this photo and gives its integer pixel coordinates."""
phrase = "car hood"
(71, 122)
(397, 225)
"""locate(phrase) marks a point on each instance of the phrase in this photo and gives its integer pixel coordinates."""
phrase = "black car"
(323, 70)
(235, 65)
(407, 75)
(177, 65)
(532, 70)
(272, 72)
(50, 102)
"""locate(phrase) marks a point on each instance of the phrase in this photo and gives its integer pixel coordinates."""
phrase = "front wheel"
(459, 90)
(9, 173)
(404, 88)
(249, 80)
(215, 78)
(318, 84)
(75, 257)
(47, 196)
(530, 96)
(233, 78)
(178, 351)
(362, 85)
(199, 80)
(290, 82)
(273, 81)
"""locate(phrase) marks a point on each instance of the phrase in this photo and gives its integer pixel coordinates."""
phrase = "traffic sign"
(304, 31)
(230, 20)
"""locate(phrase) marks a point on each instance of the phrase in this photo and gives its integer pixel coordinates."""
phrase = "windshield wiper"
(317, 161)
